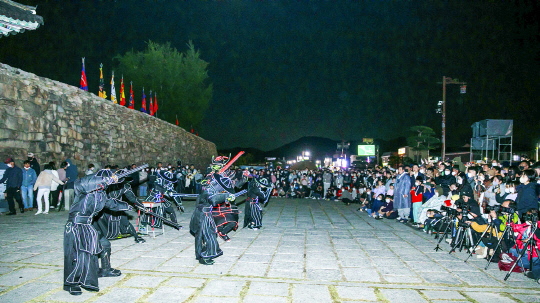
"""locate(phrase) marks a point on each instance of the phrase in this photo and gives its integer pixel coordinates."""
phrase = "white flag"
(113, 90)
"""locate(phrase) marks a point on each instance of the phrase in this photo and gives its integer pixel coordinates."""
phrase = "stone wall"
(58, 121)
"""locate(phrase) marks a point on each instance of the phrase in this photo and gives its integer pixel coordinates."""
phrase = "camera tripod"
(528, 245)
(449, 220)
(463, 237)
(490, 228)
(507, 233)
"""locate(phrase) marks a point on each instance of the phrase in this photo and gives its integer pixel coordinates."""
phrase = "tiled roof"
(16, 18)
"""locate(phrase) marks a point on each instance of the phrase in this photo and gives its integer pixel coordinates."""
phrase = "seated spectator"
(387, 210)
(376, 206)
(346, 196)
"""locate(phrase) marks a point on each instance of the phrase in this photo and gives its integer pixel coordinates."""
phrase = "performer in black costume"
(225, 214)
(258, 192)
(113, 224)
(162, 193)
(202, 225)
(82, 242)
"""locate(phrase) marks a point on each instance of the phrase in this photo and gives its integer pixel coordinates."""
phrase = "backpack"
(506, 266)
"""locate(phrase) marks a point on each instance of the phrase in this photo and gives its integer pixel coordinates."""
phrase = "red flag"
(197, 134)
(151, 105)
(155, 103)
(192, 129)
(176, 119)
(122, 94)
(131, 105)
(84, 85)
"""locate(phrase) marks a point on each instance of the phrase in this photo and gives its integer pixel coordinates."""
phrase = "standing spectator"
(71, 177)
(402, 196)
(55, 186)
(34, 164)
(90, 170)
(13, 178)
(143, 178)
(197, 177)
(43, 185)
(135, 181)
(327, 180)
(417, 195)
(527, 197)
(27, 187)
(62, 176)
(339, 180)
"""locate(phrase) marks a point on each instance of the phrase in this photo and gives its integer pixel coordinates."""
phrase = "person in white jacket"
(43, 185)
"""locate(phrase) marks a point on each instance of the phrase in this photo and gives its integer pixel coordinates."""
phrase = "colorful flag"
(176, 120)
(151, 105)
(143, 108)
(101, 92)
(155, 103)
(131, 105)
(122, 95)
(113, 90)
(84, 85)
(192, 129)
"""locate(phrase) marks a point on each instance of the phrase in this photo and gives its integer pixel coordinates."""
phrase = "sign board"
(367, 140)
(366, 150)
(463, 89)
(402, 151)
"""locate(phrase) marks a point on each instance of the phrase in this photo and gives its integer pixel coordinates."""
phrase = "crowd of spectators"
(415, 194)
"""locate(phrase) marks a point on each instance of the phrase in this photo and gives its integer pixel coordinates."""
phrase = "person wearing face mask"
(27, 187)
(494, 189)
(524, 165)
(417, 193)
(509, 192)
(13, 178)
(445, 180)
(527, 197)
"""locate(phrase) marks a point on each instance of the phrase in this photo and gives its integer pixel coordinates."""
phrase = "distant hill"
(318, 147)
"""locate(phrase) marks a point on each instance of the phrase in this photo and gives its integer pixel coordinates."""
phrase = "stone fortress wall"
(57, 121)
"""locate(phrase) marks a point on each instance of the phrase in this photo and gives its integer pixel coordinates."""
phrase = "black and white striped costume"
(112, 224)
(253, 209)
(82, 242)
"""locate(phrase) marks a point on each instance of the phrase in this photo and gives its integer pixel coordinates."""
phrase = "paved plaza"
(308, 251)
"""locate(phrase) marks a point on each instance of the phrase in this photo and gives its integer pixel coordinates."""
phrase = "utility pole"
(447, 80)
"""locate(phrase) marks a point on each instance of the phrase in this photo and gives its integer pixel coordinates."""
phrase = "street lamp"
(447, 80)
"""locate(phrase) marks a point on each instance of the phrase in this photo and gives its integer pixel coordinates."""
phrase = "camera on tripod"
(495, 208)
(508, 210)
(449, 211)
(531, 217)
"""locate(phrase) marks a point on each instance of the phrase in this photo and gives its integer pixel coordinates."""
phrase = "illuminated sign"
(368, 140)
(366, 150)
(402, 151)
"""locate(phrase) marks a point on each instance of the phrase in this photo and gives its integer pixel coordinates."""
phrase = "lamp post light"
(448, 80)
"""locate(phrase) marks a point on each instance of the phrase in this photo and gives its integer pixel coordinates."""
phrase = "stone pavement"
(308, 251)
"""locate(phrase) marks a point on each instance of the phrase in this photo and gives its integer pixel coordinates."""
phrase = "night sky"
(282, 70)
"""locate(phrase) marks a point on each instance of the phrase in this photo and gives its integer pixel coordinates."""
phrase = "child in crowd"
(387, 210)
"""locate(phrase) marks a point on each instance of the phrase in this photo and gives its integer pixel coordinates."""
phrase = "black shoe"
(73, 290)
(140, 240)
(111, 272)
(11, 214)
(204, 261)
